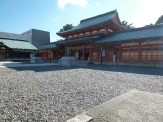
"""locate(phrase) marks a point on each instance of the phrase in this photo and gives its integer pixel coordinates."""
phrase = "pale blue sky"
(17, 16)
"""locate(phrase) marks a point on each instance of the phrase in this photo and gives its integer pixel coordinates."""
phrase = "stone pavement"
(20, 64)
(133, 106)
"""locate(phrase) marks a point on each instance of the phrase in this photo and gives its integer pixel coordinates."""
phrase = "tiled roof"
(93, 21)
(79, 39)
(17, 44)
(47, 46)
(133, 34)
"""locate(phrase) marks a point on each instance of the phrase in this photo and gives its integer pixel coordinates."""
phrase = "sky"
(18, 16)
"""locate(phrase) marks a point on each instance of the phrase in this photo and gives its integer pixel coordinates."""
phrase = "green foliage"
(126, 25)
(160, 20)
(66, 27)
(149, 25)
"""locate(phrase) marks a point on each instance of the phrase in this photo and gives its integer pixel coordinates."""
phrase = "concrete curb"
(81, 118)
(133, 106)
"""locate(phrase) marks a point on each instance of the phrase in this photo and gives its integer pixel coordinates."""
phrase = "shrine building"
(100, 37)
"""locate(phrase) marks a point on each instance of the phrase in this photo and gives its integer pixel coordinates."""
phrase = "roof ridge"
(85, 36)
(14, 39)
(49, 43)
(140, 28)
(72, 39)
(98, 16)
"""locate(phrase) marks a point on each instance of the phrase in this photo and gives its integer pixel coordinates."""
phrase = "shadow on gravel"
(127, 69)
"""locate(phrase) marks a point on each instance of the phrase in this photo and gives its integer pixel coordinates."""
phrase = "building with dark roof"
(100, 37)
(89, 30)
(18, 47)
(106, 20)
(15, 49)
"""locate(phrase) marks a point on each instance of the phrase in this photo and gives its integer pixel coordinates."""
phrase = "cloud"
(97, 4)
(63, 3)
(57, 18)
(148, 13)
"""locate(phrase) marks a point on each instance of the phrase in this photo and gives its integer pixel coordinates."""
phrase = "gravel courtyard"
(55, 94)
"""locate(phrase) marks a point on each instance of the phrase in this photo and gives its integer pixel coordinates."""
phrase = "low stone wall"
(36, 60)
(50, 61)
(141, 64)
(68, 61)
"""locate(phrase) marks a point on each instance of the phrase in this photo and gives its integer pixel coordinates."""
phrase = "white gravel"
(55, 94)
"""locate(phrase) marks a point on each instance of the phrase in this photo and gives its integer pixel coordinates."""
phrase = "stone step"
(81, 118)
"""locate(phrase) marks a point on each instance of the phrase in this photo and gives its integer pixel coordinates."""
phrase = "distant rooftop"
(47, 46)
(154, 31)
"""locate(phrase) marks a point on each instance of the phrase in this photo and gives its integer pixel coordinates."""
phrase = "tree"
(149, 25)
(160, 20)
(66, 27)
(126, 25)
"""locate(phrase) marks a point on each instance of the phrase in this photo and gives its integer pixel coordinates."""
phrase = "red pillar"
(70, 51)
(120, 52)
(41, 54)
(106, 30)
(46, 54)
(106, 53)
(90, 57)
(83, 51)
(130, 54)
(157, 55)
(56, 55)
(98, 53)
(151, 53)
(140, 51)
(98, 30)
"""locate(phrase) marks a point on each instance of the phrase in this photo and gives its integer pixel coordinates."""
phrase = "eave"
(111, 21)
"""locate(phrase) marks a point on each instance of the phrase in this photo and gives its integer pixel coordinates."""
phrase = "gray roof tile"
(93, 21)
(17, 44)
(79, 39)
(47, 46)
(131, 34)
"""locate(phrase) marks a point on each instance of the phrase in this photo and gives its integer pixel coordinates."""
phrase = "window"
(131, 54)
(157, 53)
(134, 53)
(125, 54)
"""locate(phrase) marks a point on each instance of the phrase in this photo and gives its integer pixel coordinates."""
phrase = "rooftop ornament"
(75, 36)
(87, 33)
(94, 32)
(69, 37)
(102, 31)
(81, 34)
